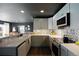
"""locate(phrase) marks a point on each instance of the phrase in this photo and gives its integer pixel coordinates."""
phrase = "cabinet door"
(43, 23)
(50, 43)
(36, 24)
(40, 23)
(45, 41)
(29, 43)
(38, 41)
(63, 51)
(22, 49)
(50, 23)
(74, 15)
(70, 53)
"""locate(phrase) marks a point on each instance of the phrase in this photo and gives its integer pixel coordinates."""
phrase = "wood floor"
(40, 51)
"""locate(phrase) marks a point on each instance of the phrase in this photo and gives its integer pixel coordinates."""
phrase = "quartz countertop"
(57, 38)
(13, 41)
(72, 47)
(4, 37)
(53, 36)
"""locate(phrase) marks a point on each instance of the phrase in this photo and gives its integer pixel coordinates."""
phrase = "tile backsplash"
(42, 31)
(73, 34)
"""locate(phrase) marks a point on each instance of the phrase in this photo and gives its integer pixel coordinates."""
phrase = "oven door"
(55, 48)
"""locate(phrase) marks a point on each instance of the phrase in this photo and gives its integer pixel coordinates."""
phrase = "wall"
(18, 24)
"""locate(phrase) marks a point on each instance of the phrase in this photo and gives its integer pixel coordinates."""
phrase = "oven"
(56, 48)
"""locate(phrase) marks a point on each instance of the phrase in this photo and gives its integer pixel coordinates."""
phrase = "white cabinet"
(50, 21)
(22, 50)
(63, 51)
(40, 23)
(74, 15)
(70, 53)
(60, 13)
(66, 52)
(29, 43)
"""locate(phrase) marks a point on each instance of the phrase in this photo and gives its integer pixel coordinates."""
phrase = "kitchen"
(39, 29)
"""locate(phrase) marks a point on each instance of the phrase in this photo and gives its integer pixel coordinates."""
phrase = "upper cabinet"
(40, 23)
(60, 13)
(50, 23)
(73, 9)
(74, 13)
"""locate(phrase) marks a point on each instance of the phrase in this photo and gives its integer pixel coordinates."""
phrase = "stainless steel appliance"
(56, 48)
(64, 20)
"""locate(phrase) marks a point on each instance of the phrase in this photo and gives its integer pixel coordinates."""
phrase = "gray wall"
(11, 12)
(17, 24)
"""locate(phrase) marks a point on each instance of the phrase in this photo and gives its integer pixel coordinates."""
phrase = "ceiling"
(11, 11)
(49, 8)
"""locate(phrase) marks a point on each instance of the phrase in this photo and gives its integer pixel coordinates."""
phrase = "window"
(28, 27)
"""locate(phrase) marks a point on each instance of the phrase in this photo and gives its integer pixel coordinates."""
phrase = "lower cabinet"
(66, 52)
(70, 53)
(20, 50)
(63, 51)
(29, 42)
(40, 41)
(50, 44)
(23, 49)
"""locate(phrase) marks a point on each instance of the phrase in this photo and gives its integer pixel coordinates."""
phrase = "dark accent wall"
(12, 24)
(18, 24)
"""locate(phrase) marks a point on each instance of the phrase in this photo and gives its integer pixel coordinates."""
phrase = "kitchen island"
(16, 45)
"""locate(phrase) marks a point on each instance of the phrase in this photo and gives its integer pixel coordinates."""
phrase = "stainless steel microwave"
(64, 20)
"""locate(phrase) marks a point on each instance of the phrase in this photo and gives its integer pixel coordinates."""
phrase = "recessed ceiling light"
(22, 11)
(42, 11)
